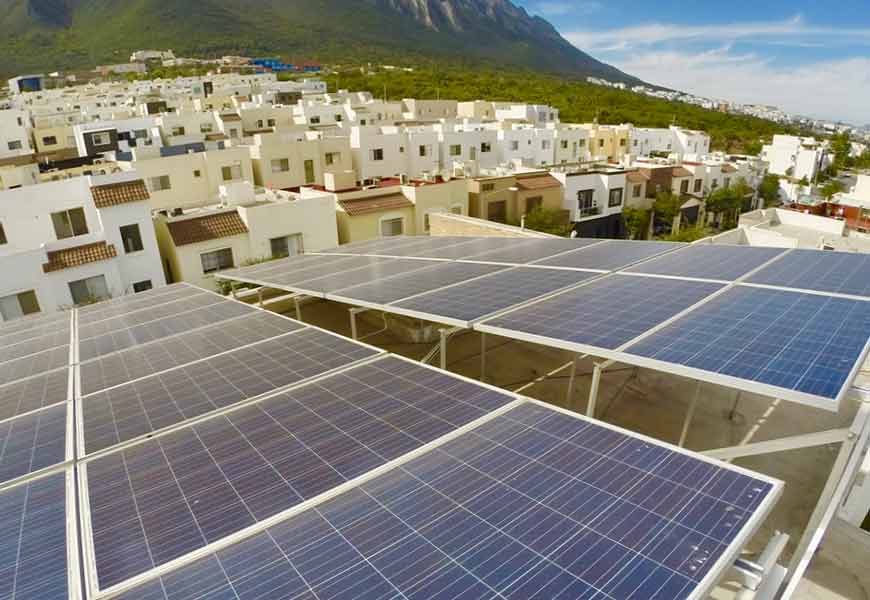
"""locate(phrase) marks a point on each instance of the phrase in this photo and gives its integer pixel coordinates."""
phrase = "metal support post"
(444, 333)
(354, 333)
(298, 308)
(593, 391)
(260, 297)
(233, 289)
(687, 422)
(569, 399)
(483, 357)
(845, 466)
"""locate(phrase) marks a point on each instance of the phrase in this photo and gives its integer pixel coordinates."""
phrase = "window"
(49, 140)
(684, 186)
(140, 134)
(515, 145)
(423, 151)
(622, 142)
(545, 144)
(497, 211)
(563, 144)
(271, 123)
(426, 222)
(232, 172)
(698, 184)
(288, 245)
(206, 128)
(14, 145)
(586, 204)
(159, 184)
(727, 182)
(582, 143)
(280, 165)
(636, 191)
(19, 305)
(487, 187)
(534, 203)
(69, 223)
(3, 239)
(392, 227)
(315, 120)
(309, 171)
(456, 209)
(142, 286)
(377, 154)
(331, 158)
(131, 238)
(615, 198)
(216, 260)
(456, 150)
(88, 291)
(178, 130)
(485, 147)
(101, 139)
(197, 173)
(259, 123)
(339, 117)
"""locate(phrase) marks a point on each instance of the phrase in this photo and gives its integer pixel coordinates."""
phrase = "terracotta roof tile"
(205, 228)
(636, 177)
(113, 194)
(681, 172)
(540, 182)
(729, 169)
(216, 137)
(79, 255)
(226, 118)
(362, 206)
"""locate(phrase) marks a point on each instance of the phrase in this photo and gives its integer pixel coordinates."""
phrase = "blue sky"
(807, 57)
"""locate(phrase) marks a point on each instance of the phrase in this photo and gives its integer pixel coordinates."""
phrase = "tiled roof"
(216, 137)
(636, 177)
(540, 182)
(79, 255)
(230, 117)
(729, 169)
(362, 206)
(113, 194)
(681, 172)
(208, 227)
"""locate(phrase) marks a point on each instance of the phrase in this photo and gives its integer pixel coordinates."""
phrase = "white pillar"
(687, 422)
(593, 392)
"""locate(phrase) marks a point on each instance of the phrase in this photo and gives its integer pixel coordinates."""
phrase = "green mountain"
(42, 35)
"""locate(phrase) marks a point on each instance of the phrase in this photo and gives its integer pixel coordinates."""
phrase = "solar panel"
(460, 251)
(375, 246)
(34, 393)
(610, 255)
(171, 495)
(607, 313)
(33, 442)
(532, 250)
(126, 304)
(127, 320)
(805, 343)
(379, 268)
(33, 546)
(423, 246)
(27, 366)
(709, 261)
(14, 335)
(48, 321)
(836, 272)
(310, 270)
(385, 291)
(476, 299)
(34, 345)
(171, 352)
(533, 505)
(121, 339)
(290, 264)
(172, 397)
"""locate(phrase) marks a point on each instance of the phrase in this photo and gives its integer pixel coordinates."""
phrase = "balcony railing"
(589, 211)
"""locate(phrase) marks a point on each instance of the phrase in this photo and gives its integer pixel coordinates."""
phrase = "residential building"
(796, 157)
(506, 198)
(782, 228)
(246, 227)
(75, 241)
(292, 160)
(15, 134)
(594, 197)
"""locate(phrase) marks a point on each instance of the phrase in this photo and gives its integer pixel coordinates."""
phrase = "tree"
(724, 202)
(548, 220)
(769, 190)
(636, 222)
(830, 189)
(841, 145)
(666, 207)
(687, 234)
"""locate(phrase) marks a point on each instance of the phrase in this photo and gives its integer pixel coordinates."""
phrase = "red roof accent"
(68, 258)
(205, 228)
(362, 206)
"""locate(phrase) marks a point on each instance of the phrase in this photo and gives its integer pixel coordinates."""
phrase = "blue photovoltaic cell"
(421, 246)
(131, 303)
(174, 396)
(301, 267)
(803, 342)
(487, 295)
(606, 313)
(824, 271)
(709, 261)
(27, 366)
(385, 291)
(33, 550)
(534, 505)
(385, 267)
(153, 502)
(33, 346)
(531, 250)
(167, 353)
(375, 246)
(610, 255)
(34, 393)
(32, 442)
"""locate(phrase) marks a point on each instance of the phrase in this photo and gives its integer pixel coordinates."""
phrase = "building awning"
(230, 117)
(729, 169)
(207, 227)
(68, 258)
(541, 182)
(636, 177)
(113, 194)
(362, 206)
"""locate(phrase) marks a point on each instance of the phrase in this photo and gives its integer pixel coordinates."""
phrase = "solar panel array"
(599, 311)
(297, 462)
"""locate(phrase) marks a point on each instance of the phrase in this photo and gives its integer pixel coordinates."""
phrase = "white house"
(795, 157)
(288, 160)
(74, 241)
(595, 198)
(14, 134)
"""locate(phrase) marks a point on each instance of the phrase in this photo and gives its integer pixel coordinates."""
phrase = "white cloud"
(835, 89)
(790, 31)
(555, 8)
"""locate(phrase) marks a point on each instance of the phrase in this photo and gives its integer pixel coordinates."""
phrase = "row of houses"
(115, 188)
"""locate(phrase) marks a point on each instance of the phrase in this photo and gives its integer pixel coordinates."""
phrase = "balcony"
(588, 211)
